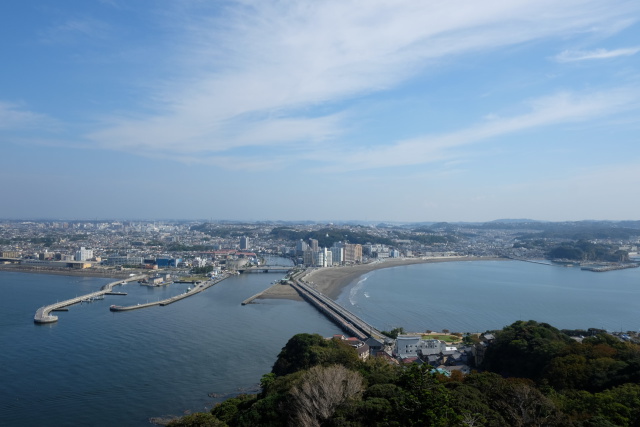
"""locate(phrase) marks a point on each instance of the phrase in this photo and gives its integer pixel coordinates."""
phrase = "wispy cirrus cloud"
(586, 55)
(560, 108)
(13, 116)
(281, 75)
(73, 29)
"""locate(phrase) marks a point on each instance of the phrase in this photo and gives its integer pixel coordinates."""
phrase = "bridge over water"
(267, 269)
(348, 321)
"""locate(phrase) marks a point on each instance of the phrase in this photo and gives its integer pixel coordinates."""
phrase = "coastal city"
(320, 213)
(313, 263)
(102, 246)
(156, 253)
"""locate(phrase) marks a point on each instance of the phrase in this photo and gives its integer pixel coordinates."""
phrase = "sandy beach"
(331, 281)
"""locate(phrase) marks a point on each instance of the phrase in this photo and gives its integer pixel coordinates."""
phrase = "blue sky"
(333, 110)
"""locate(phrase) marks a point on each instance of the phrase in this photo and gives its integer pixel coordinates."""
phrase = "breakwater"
(197, 289)
(603, 268)
(43, 314)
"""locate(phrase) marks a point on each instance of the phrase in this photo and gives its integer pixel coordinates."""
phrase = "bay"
(95, 367)
(476, 296)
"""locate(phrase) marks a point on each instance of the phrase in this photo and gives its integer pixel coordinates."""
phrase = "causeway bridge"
(348, 321)
(43, 315)
(266, 269)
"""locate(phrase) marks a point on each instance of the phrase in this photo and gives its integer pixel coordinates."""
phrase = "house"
(414, 346)
(361, 347)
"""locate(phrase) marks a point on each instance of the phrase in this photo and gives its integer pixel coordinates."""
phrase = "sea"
(101, 368)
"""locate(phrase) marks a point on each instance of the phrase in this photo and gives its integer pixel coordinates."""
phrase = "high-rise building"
(310, 258)
(313, 244)
(301, 247)
(337, 255)
(352, 253)
(244, 243)
(328, 257)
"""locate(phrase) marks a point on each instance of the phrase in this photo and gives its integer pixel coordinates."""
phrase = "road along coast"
(332, 280)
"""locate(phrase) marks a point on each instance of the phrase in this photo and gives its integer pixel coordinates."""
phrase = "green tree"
(304, 351)
(199, 419)
(524, 349)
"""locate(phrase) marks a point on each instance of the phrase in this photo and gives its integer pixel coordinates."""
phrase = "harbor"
(190, 291)
(43, 314)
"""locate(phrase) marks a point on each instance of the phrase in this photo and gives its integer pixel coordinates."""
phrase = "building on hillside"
(361, 347)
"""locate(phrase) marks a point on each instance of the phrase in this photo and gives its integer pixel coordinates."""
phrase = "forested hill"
(533, 375)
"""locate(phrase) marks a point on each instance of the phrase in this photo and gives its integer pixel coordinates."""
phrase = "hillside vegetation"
(533, 375)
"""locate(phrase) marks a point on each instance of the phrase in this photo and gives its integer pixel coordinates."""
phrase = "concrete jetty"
(197, 289)
(43, 314)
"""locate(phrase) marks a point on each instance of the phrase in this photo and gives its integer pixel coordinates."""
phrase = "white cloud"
(72, 30)
(256, 74)
(582, 55)
(14, 117)
(560, 108)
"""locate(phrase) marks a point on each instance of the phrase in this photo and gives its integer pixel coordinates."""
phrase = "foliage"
(202, 270)
(199, 419)
(320, 392)
(584, 250)
(394, 332)
(547, 379)
(326, 237)
(523, 349)
(427, 239)
(303, 351)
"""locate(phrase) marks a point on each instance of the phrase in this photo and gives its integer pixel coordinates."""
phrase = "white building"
(414, 346)
(337, 254)
(84, 254)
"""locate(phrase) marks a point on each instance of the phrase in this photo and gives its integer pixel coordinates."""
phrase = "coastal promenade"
(43, 314)
(197, 289)
(335, 312)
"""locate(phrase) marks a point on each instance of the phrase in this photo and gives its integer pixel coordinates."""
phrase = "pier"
(342, 317)
(197, 289)
(43, 314)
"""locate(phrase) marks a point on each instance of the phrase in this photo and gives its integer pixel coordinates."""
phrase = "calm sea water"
(95, 367)
(476, 296)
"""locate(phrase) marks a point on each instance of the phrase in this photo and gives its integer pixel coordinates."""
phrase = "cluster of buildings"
(439, 354)
(310, 255)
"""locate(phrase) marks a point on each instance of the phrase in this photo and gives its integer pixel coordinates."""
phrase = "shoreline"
(331, 281)
(109, 274)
